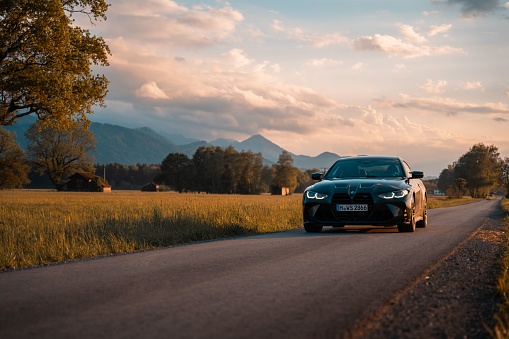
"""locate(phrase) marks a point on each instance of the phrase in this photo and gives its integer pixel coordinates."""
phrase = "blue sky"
(425, 80)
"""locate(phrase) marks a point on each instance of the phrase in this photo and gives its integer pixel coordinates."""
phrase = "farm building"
(86, 182)
(276, 190)
(152, 187)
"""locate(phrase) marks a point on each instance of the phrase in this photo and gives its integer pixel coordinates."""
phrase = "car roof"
(371, 157)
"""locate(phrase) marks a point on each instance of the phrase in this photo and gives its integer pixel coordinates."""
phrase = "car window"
(366, 168)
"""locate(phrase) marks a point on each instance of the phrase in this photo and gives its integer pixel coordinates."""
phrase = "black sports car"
(366, 190)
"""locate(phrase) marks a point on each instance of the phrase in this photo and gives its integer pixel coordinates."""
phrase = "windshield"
(365, 168)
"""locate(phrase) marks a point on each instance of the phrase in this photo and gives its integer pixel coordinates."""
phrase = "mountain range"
(129, 146)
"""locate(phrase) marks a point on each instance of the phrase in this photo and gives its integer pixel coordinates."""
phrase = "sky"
(425, 80)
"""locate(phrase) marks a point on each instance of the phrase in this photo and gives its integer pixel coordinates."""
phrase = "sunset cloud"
(437, 29)
(472, 85)
(396, 47)
(448, 106)
(301, 77)
(156, 21)
(434, 86)
(408, 32)
(317, 40)
(152, 91)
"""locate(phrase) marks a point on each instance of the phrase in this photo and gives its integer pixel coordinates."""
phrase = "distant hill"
(256, 143)
(116, 144)
(129, 146)
(271, 151)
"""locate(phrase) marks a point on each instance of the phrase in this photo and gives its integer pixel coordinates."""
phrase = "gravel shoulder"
(457, 298)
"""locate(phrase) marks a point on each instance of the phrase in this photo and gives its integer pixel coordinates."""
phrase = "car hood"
(360, 185)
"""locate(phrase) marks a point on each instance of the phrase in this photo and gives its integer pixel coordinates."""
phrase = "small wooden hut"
(86, 182)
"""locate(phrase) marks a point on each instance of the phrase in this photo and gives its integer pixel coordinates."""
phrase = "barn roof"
(91, 176)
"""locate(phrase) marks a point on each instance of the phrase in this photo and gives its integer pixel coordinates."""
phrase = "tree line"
(57, 153)
(476, 173)
(217, 170)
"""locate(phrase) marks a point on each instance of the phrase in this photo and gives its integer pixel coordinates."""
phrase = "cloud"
(323, 62)
(235, 58)
(474, 8)
(447, 106)
(408, 32)
(317, 40)
(472, 85)
(155, 23)
(429, 13)
(231, 94)
(152, 91)
(396, 47)
(434, 86)
(434, 30)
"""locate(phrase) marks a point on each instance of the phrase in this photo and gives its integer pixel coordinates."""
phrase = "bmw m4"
(366, 190)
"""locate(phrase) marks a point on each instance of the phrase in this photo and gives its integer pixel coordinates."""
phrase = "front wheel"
(424, 221)
(312, 228)
(410, 227)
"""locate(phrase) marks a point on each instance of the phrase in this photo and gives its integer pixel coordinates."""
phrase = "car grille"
(359, 198)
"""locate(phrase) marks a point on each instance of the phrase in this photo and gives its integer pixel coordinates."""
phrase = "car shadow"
(332, 231)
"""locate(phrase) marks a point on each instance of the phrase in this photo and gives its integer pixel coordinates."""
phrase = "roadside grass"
(43, 227)
(501, 329)
(38, 227)
(443, 201)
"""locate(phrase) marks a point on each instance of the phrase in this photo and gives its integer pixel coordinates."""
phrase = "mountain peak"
(257, 137)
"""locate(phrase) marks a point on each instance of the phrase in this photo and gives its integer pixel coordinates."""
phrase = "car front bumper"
(378, 214)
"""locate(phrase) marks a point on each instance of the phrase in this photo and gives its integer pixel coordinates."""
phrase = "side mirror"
(317, 176)
(417, 174)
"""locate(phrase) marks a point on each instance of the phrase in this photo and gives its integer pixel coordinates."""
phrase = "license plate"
(352, 208)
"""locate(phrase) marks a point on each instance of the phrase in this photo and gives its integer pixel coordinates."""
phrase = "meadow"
(43, 227)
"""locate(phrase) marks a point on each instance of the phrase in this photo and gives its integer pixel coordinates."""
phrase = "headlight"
(315, 195)
(394, 195)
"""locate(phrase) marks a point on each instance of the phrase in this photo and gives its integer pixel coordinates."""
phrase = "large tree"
(46, 60)
(480, 167)
(505, 175)
(177, 171)
(13, 167)
(446, 179)
(285, 173)
(60, 152)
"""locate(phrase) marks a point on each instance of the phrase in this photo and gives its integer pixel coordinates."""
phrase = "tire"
(312, 228)
(424, 221)
(410, 227)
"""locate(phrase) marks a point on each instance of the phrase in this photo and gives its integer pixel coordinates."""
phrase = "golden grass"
(501, 329)
(41, 227)
(442, 201)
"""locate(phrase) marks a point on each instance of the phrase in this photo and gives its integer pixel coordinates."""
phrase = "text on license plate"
(352, 208)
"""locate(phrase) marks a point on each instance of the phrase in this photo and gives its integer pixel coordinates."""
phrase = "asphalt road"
(281, 285)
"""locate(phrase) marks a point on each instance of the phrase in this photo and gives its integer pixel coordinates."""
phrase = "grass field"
(42, 227)
(38, 227)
